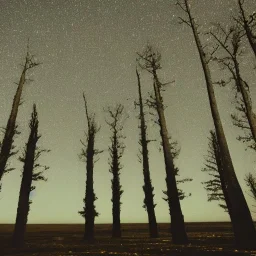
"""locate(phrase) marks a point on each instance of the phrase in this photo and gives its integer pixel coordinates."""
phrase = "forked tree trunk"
(243, 226)
(147, 188)
(178, 231)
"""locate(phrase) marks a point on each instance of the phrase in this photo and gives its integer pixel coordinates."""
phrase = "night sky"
(91, 46)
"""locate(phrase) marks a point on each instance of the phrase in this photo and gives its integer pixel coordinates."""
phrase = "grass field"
(67, 240)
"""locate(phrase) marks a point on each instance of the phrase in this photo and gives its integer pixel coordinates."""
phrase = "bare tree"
(150, 61)
(248, 23)
(175, 151)
(30, 173)
(148, 189)
(243, 226)
(88, 155)
(240, 120)
(116, 150)
(229, 41)
(251, 184)
(215, 187)
(7, 147)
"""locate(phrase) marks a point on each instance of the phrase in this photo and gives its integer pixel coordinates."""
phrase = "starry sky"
(91, 46)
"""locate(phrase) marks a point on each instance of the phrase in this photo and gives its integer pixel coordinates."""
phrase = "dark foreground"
(67, 240)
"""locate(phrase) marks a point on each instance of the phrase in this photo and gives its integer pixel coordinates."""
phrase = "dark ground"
(66, 240)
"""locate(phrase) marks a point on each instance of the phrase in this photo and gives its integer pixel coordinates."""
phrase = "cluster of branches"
(215, 187)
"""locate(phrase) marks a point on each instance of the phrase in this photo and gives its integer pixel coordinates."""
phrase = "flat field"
(209, 238)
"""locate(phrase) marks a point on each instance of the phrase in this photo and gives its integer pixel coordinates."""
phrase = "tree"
(88, 155)
(240, 120)
(248, 23)
(116, 150)
(215, 187)
(30, 173)
(243, 226)
(251, 184)
(150, 61)
(7, 147)
(175, 151)
(147, 187)
(229, 41)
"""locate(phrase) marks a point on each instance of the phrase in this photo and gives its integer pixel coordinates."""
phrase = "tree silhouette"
(248, 23)
(243, 226)
(7, 147)
(30, 173)
(150, 60)
(215, 187)
(229, 48)
(115, 121)
(88, 155)
(147, 187)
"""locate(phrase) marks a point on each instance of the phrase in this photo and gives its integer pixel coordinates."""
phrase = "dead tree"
(30, 173)
(6, 150)
(148, 189)
(215, 187)
(248, 23)
(116, 150)
(243, 226)
(150, 60)
(229, 41)
(251, 184)
(88, 155)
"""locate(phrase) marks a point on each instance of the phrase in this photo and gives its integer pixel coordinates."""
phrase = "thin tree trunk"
(250, 36)
(89, 195)
(11, 126)
(244, 230)
(179, 235)
(148, 188)
(251, 117)
(116, 228)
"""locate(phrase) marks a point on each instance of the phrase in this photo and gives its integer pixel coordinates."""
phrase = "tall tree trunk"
(89, 194)
(248, 30)
(244, 230)
(11, 126)
(251, 117)
(116, 197)
(179, 235)
(147, 188)
(23, 204)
